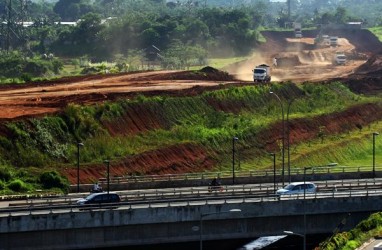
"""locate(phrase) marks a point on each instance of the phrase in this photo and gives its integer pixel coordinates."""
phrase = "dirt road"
(298, 61)
(20, 101)
(301, 61)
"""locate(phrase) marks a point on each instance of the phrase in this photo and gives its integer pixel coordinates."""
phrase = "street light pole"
(304, 235)
(288, 136)
(235, 210)
(274, 171)
(374, 135)
(79, 144)
(304, 206)
(283, 136)
(233, 158)
(108, 174)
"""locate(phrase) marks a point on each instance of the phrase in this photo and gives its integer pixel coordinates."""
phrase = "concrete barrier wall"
(108, 228)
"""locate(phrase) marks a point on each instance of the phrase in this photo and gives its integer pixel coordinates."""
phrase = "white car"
(297, 188)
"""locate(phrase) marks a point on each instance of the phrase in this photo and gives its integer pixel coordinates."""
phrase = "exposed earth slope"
(299, 61)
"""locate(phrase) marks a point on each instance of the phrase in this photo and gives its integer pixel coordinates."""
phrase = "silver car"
(298, 188)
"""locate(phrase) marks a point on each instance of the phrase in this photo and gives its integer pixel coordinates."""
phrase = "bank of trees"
(175, 34)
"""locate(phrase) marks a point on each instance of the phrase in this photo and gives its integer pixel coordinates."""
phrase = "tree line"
(176, 34)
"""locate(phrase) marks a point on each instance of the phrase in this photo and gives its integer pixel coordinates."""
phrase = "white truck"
(333, 41)
(261, 73)
(322, 41)
(339, 58)
(297, 30)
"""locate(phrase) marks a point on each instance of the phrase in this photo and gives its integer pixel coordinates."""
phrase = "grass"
(377, 31)
(210, 119)
(192, 119)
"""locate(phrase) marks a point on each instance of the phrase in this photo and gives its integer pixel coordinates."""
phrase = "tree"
(72, 10)
(341, 15)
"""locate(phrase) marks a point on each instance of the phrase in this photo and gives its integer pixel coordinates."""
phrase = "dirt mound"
(209, 69)
(207, 73)
(367, 78)
(372, 66)
(288, 61)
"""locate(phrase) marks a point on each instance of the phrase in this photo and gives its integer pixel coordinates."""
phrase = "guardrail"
(214, 200)
(228, 174)
(261, 189)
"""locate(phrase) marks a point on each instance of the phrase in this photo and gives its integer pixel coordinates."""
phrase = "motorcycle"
(215, 187)
(99, 190)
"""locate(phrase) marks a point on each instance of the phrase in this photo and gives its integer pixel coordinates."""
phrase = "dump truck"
(322, 41)
(297, 30)
(333, 41)
(261, 73)
(339, 58)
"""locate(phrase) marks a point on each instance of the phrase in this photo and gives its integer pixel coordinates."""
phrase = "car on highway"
(99, 198)
(297, 188)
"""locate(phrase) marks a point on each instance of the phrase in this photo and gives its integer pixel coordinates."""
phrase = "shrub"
(26, 77)
(17, 186)
(5, 174)
(52, 179)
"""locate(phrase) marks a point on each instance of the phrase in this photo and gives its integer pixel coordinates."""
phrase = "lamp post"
(274, 171)
(108, 174)
(79, 144)
(288, 136)
(304, 209)
(301, 235)
(304, 235)
(283, 136)
(235, 210)
(233, 158)
(374, 135)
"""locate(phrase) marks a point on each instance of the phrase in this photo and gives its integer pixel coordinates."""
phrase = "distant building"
(354, 25)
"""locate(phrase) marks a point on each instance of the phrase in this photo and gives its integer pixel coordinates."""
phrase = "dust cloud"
(243, 70)
(299, 61)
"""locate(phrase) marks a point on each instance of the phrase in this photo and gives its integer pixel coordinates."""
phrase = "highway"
(193, 196)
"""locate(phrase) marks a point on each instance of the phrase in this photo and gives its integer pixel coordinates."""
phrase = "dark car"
(99, 198)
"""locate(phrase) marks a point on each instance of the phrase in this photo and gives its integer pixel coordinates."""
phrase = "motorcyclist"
(97, 188)
(215, 182)
(215, 185)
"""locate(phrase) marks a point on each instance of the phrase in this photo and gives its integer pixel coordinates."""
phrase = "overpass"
(66, 227)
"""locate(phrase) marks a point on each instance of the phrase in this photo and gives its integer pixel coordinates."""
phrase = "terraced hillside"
(175, 122)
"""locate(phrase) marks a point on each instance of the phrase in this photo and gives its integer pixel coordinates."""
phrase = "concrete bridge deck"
(180, 222)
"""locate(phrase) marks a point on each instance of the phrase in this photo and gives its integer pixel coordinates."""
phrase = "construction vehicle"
(261, 73)
(297, 30)
(339, 58)
(333, 41)
(322, 40)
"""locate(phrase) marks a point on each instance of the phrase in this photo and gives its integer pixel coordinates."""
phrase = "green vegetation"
(126, 35)
(377, 31)
(366, 229)
(209, 119)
